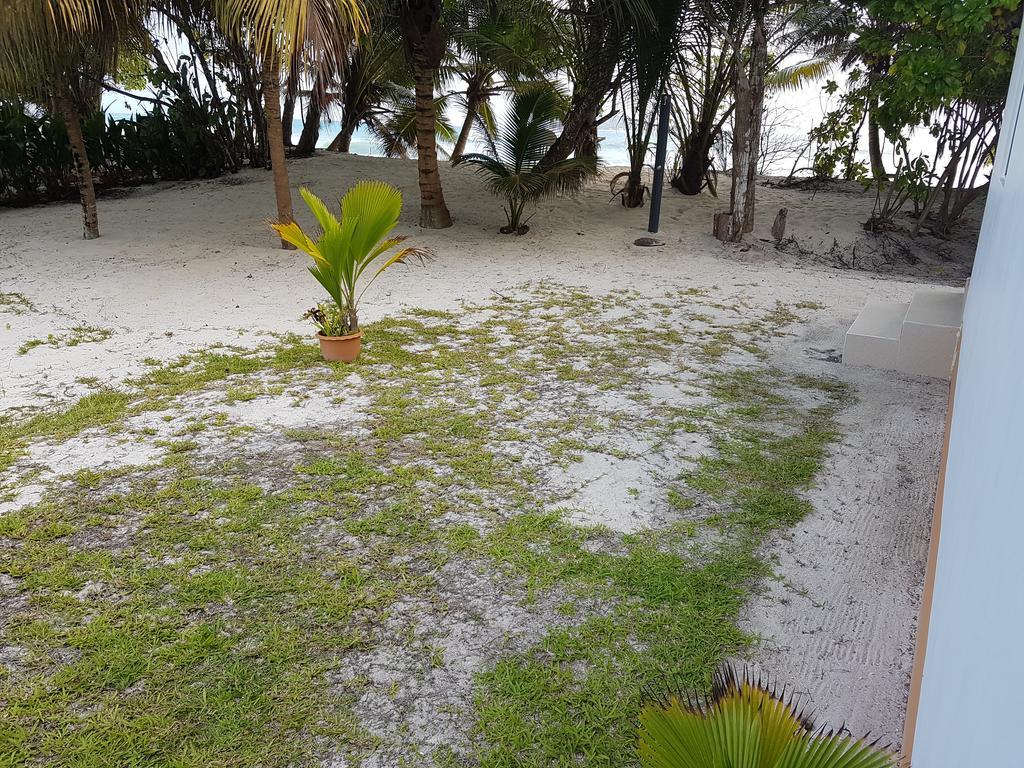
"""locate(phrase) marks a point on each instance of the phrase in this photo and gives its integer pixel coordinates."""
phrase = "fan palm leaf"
(744, 722)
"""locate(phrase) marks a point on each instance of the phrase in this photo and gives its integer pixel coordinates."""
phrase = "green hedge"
(36, 163)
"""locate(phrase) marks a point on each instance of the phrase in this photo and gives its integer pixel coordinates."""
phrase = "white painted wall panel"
(971, 710)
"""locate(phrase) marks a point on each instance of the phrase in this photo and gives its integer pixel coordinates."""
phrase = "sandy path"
(840, 620)
(186, 265)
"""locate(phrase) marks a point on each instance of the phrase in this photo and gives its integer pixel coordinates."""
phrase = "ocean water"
(790, 116)
(613, 137)
(613, 141)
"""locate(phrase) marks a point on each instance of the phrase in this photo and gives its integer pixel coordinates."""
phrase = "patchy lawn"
(475, 546)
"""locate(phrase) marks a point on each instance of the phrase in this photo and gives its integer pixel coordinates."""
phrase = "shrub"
(514, 168)
(36, 163)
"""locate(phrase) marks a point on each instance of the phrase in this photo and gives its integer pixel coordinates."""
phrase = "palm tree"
(745, 721)
(50, 53)
(377, 92)
(833, 32)
(715, 39)
(705, 69)
(370, 84)
(352, 250)
(594, 33)
(643, 81)
(395, 127)
(376, 74)
(790, 29)
(496, 48)
(513, 169)
(277, 30)
(420, 22)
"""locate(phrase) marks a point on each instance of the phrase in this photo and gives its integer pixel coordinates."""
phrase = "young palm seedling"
(745, 723)
(515, 168)
(349, 253)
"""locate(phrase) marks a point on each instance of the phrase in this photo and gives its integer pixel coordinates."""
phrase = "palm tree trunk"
(633, 194)
(433, 211)
(275, 138)
(578, 134)
(472, 105)
(288, 113)
(694, 164)
(310, 130)
(758, 67)
(343, 141)
(741, 158)
(66, 108)
(603, 40)
(875, 145)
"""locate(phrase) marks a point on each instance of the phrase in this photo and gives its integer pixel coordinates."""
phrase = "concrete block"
(874, 337)
(930, 332)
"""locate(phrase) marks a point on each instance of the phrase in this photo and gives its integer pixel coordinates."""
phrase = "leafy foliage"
(513, 168)
(36, 162)
(396, 133)
(745, 721)
(939, 66)
(496, 48)
(593, 34)
(939, 52)
(644, 80)
(910, 183)
(58, 40)
(376, 78)
(316, 30)
(347, 247)
(836, 139)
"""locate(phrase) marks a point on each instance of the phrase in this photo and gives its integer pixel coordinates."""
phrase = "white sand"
(182, 266)
(195, 260)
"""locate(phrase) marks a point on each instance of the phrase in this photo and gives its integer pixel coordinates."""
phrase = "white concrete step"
(874, 337)
(930, 331)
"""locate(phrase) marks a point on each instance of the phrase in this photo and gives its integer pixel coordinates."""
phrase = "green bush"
(36, 163)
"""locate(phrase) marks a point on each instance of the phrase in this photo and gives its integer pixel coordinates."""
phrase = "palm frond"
(292, 233)
(396, 132)
(512, 168)
(795, 76)
(44, 40)
(322, 28)
(745, 721)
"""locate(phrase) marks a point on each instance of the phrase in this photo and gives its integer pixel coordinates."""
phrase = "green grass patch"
(196, 612)
(16, 304)
(80, 334)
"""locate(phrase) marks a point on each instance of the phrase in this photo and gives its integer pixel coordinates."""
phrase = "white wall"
(972, 711)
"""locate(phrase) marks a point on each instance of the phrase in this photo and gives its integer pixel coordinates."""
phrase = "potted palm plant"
(745, 721)
(349, 253)
(515, 168)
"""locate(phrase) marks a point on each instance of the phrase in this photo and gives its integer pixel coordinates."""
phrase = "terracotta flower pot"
(340, 348)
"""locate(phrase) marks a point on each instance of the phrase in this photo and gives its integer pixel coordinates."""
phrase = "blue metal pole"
(659, 167)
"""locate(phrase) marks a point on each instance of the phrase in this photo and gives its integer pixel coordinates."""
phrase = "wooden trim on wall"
(924, 618)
